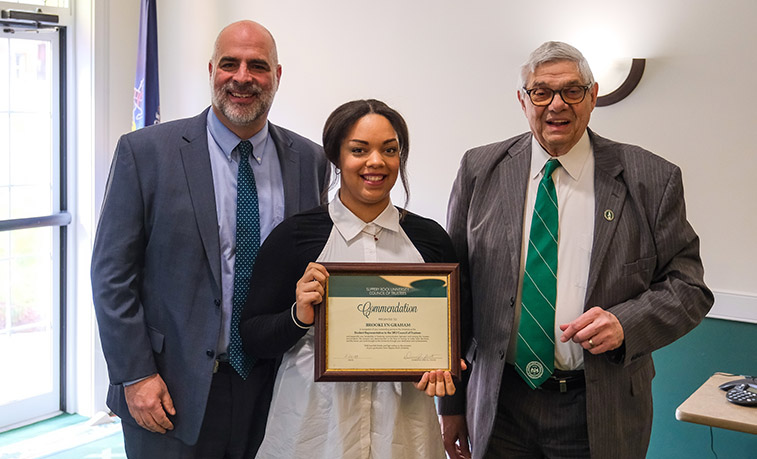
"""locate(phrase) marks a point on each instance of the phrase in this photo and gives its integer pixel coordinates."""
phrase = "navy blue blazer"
(156, 264)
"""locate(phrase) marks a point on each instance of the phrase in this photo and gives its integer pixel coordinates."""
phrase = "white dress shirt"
(356, 420)
(574, 184)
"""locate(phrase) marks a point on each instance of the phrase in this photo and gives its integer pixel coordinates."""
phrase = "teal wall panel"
(714, 346)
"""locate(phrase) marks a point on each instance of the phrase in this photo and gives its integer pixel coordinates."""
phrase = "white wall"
(450, 68)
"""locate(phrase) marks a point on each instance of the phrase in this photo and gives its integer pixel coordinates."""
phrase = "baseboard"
(733, 306)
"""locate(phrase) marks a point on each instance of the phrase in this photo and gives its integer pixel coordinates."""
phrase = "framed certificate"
(388, 321)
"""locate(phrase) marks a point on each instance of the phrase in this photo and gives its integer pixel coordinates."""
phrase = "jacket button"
(210, 353)
(217, 302)
(501, 354)
(512, 301)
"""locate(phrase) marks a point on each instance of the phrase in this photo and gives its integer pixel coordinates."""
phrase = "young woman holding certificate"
(368, 143)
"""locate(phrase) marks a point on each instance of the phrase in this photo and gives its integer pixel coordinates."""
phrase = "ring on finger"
(591, 343)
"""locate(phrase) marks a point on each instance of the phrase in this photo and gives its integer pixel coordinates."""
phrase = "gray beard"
(243, 115)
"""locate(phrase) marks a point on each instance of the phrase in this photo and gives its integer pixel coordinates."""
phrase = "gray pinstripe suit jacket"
(645, 268)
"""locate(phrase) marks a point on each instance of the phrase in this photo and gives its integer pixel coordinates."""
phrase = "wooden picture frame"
(388, 321)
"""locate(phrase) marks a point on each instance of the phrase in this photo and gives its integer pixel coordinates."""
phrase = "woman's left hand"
(438, 383)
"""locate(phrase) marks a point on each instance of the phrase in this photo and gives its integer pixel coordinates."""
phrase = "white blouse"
(352, 420)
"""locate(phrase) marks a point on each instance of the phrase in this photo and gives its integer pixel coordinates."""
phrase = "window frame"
(62, 218)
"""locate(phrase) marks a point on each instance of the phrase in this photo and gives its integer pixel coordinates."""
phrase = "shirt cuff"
(129, 383)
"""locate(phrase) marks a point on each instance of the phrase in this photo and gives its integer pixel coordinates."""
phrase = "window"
(33, 217)
(55, 3)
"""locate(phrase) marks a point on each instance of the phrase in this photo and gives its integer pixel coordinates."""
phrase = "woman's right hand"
(310, 290)
(439, 383)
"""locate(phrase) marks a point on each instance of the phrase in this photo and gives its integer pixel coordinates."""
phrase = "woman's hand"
(439, 382)
(310, 290)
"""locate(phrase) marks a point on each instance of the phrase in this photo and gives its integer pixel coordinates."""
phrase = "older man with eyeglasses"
(581, 263)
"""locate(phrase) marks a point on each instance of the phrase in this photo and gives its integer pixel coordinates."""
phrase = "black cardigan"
(266, 326)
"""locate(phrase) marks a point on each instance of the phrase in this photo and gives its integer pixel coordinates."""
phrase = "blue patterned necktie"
(535, 351)
(247, 245)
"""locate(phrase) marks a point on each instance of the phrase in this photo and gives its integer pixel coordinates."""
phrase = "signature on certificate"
(421, 357)
(351, 357)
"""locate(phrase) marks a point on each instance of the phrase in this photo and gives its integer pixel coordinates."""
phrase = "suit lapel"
(512, 175)
(289, 160)
(198, 171)
(517, 176)
(609, 197)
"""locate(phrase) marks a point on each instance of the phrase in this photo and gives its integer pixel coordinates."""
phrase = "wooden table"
(709, 407)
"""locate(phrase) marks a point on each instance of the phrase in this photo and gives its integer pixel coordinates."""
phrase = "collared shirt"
(224, 162)
(359, 420)
(382, 239)
(574, 184)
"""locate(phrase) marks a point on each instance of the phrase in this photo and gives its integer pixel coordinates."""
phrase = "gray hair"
(554, 51)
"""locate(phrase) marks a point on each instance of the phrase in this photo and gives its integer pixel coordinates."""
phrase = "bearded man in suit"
(163, 265)
(623, 278)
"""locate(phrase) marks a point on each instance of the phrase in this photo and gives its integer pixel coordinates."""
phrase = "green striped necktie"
(535, 351)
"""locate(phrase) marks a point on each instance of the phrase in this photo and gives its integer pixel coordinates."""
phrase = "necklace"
(375, 235)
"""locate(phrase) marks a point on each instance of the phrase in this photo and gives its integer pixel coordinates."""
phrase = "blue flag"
(146, 94)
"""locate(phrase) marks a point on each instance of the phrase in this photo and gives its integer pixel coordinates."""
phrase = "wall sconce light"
(619, 78)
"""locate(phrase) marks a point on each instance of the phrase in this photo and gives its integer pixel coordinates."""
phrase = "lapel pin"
(609, 215)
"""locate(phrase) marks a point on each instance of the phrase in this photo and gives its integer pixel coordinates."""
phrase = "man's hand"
(455, 435)
(596, 330)
(148, 402)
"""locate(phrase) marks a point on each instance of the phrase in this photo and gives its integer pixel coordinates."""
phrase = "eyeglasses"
(570, 95)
